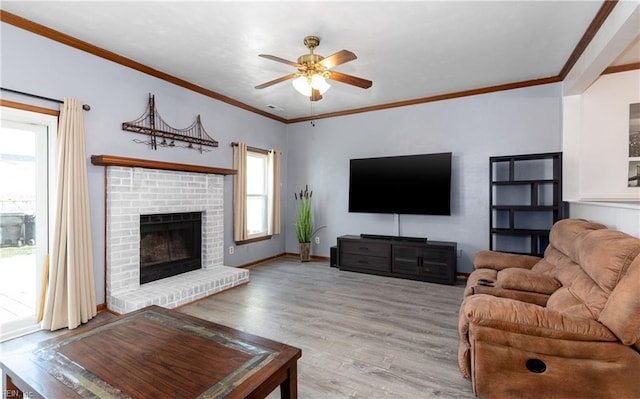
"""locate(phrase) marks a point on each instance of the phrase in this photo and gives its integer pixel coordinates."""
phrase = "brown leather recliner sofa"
(523, 277)
(563, 326)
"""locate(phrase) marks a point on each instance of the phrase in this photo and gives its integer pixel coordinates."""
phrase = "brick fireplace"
(134, 191)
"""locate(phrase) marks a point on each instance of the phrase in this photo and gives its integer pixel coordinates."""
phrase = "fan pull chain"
(312, 122)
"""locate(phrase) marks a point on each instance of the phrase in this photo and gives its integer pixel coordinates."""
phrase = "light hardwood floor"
(362, 336)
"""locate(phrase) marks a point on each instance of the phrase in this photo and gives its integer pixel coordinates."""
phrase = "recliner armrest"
(523, 296)
(501, 260)
(527, 280)
(529, 319)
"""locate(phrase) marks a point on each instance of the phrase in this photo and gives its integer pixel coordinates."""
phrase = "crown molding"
(71, 41)
(440, 97)
(622, 68)
(60, 37)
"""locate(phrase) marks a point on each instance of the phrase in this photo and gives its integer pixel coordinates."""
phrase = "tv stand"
(393, 238)
(432, 261)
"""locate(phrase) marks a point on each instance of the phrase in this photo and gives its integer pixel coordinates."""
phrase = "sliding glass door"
(26, 151)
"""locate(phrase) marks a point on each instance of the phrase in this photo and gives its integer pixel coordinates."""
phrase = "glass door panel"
(405, 259)
(24, 222)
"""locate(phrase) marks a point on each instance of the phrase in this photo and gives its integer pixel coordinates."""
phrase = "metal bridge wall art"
(161, 134)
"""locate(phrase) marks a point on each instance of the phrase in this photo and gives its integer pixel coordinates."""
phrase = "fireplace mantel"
(112, 160)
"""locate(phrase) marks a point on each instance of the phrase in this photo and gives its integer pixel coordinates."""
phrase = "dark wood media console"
(432, 261)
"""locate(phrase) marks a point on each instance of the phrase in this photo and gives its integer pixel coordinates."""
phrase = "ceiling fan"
(313, 69)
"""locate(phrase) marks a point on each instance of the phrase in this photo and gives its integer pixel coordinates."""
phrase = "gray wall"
(34, 64)
(473, 128)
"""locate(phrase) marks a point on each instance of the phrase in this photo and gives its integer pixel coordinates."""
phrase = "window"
(257, 194)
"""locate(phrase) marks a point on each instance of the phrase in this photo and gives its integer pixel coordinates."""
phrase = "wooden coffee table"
(155, 353)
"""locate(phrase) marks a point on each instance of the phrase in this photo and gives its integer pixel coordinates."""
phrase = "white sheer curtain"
(240, 192)
(70, 298)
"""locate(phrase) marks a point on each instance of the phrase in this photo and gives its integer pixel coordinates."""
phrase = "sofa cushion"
(601, 258)
(605, 255)
(553, 258)
(621, 314)
(544, 266)
(579, 295)
(527, 280)
(529, 319)
(564, 232)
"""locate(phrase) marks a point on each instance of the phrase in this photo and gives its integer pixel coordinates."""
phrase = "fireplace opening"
(170, 244)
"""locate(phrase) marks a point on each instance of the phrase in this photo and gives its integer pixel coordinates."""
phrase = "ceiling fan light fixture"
(319, 83)
(304, 84)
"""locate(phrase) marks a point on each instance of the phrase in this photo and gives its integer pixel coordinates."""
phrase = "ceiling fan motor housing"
(310, 61)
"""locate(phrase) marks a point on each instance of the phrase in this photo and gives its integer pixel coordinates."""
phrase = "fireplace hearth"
(170, 244)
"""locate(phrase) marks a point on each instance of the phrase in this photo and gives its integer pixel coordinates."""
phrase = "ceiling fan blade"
(274, 81)
(315, 95)
(278, 59)
(350, 80)
(338, 58)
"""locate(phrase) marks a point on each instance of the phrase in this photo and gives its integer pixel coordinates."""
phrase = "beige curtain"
(274, 159)
(240, 192)
(70, 298)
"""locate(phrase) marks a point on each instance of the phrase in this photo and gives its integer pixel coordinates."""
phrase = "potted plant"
(303, 224)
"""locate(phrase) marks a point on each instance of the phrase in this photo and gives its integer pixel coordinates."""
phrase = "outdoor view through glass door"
(25, 184)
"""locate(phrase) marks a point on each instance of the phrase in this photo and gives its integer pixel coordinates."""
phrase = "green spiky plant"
(303, 224)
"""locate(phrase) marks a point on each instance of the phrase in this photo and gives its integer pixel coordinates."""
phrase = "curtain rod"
(85, 107)
(234, 144)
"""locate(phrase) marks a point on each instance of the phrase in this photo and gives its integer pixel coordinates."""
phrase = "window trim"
(264, 195)
(254, 239)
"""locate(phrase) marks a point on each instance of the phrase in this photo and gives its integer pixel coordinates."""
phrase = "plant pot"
(305, 250)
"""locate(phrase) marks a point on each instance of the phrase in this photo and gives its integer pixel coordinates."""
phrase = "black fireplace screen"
(170, 244)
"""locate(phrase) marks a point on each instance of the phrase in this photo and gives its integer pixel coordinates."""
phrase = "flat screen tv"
(409, 184)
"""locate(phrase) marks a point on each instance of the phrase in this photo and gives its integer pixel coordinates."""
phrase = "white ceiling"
(410, 50)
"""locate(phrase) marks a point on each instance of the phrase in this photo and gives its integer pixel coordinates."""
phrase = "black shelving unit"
(525, 201)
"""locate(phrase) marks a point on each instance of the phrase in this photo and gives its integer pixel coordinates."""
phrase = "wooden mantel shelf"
(112, 160)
